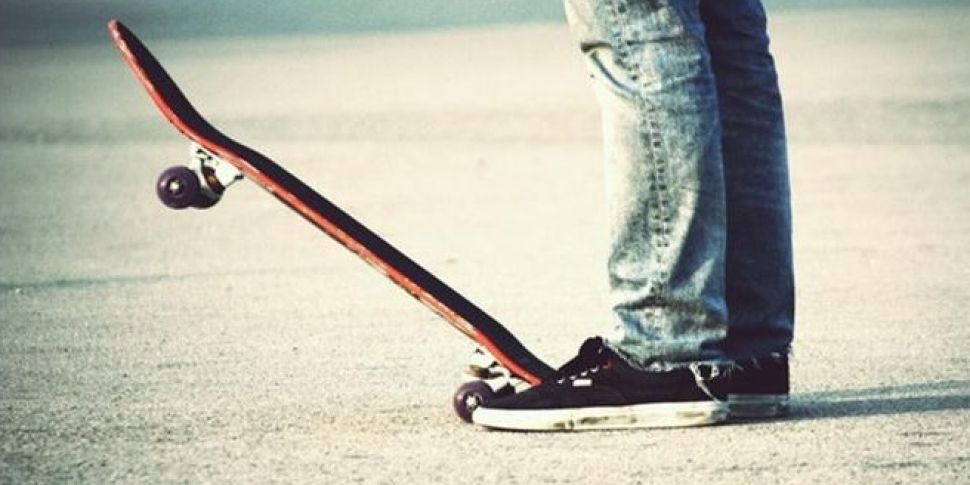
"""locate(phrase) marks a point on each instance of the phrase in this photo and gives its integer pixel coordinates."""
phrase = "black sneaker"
(599, 390)
(758, 388)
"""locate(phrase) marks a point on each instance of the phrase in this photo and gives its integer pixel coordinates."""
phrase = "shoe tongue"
(591, 347)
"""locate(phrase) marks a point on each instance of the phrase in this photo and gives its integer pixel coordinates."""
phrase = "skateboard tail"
(407, 274)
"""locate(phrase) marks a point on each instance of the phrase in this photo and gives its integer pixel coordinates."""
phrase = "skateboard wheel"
(472, 394)
(178, 187)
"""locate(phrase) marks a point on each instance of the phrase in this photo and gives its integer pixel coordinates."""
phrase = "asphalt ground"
(241, 345)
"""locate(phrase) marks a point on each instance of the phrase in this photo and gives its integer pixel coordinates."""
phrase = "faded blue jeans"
(697, 178)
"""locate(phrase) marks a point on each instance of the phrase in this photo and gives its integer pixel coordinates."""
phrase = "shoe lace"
(592, 357)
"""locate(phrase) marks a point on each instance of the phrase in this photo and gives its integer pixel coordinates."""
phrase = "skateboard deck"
(203, 188)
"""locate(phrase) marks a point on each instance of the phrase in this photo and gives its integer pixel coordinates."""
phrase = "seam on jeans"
(659, 217)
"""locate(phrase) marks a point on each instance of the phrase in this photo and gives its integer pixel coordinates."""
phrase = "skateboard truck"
(486, 379)
(200, 184)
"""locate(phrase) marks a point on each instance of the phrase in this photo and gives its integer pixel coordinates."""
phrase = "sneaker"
(758, 388)
(599, 390)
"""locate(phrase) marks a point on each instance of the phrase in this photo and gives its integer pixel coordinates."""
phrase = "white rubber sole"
(758, 406)
(656, 415)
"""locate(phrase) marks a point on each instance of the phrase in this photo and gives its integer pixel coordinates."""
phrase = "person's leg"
(663, 367)
(758, 265)
(664, 173)
(685, 217)
(759, 277)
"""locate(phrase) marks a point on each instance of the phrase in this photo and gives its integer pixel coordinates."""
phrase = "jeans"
(700, 263)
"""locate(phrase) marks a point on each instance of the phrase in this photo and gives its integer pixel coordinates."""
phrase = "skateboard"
(216, 161)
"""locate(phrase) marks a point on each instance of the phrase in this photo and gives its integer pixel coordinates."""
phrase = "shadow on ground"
(880, 401)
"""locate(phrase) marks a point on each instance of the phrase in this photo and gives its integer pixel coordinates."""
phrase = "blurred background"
(52, 21)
